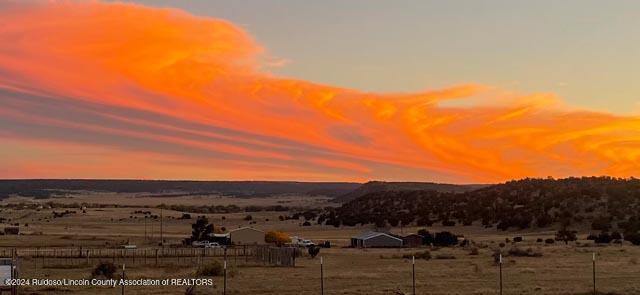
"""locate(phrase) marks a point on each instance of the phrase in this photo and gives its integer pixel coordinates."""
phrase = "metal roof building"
(246, 236)
(373, 239)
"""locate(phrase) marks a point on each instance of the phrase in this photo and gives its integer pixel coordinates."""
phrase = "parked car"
(306, 243)
(212, 245)
(205, 244)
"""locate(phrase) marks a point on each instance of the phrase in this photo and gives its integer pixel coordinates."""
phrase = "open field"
(146, 199)
(562, 269)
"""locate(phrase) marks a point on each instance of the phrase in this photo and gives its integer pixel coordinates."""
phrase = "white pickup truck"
(300, 242)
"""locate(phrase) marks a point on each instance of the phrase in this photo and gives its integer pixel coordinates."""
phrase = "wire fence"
(260, 255)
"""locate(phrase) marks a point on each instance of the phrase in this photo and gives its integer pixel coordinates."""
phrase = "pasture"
(562, 269)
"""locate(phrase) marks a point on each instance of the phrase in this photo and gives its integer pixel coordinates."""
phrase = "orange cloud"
(179, 96)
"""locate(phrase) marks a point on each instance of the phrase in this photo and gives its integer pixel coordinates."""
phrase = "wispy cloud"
(159, 93)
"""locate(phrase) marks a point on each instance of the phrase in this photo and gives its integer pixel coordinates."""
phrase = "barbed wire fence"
(242, 255)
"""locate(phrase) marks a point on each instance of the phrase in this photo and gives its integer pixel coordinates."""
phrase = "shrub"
(616, 235)
(465, 243)
(603, 238)
(474, 251)
(517, 239)
(445, 256)
(566, 235)
(212, 269)
(314, 251)
(539, 240)
(426, 255)
(549, 241)
(277, 237)
(427, 238)
(445, 238)
(519, 252)
(634, 238)
(104, 269)
(248, 217)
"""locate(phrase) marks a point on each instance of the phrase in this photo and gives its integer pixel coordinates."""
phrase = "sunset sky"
(444, 91)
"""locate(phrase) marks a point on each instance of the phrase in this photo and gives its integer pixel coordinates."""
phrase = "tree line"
(605, 203)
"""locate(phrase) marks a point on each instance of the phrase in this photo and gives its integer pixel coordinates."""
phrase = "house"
(246, 236)
(412, 240)
(375, 239)
(11, 230)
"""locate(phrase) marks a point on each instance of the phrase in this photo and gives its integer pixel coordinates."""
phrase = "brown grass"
(564, 269)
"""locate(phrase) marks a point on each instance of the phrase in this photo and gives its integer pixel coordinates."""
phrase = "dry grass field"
(562, 269)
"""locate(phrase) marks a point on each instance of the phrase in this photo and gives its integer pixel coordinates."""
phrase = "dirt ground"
(562, 269)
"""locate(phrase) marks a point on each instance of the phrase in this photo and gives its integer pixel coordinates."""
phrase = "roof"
(372, 234)
(245, 228)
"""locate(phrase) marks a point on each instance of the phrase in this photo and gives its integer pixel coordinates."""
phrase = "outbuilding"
(246, 236)
(375, 239)
(412, 240)
(221, 239)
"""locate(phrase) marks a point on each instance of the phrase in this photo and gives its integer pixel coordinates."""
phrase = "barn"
(375, 239)
(412, 240)
(246, 236)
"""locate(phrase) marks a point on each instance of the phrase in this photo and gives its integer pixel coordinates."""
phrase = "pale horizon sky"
(587, 52)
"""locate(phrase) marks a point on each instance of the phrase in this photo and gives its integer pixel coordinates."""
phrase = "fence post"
(224, 288)
(413, 270)
(123, 277)
(593, 260)
(321, 275)
(500, 273)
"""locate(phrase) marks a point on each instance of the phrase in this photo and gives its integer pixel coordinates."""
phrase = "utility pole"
(161, 228)
(145, 228)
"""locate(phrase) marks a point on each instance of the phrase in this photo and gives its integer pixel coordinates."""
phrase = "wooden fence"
(267, 255)
(283, 256)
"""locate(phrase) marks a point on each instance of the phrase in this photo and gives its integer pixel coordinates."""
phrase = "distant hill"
(43, 188)
(383, 186)
(601, 203)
